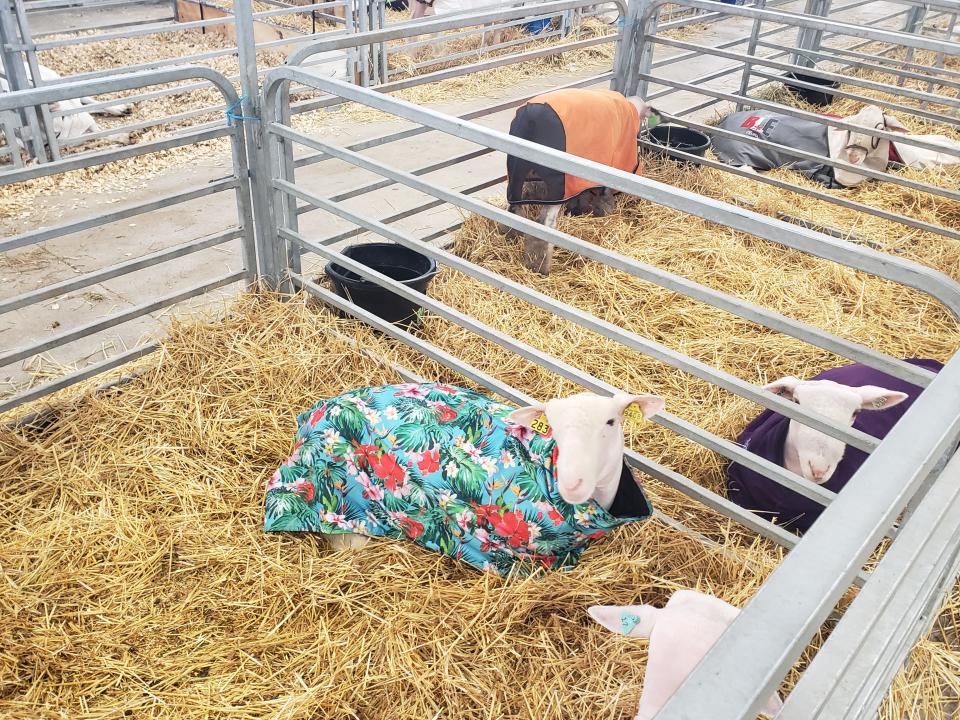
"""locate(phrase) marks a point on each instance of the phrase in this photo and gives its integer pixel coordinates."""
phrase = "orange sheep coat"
(598, 125)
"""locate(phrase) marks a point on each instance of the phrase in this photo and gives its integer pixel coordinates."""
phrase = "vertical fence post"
(245, 215)
(941, 57)
(751, 51)
(8, 121)
(10, 47)
(34, 67)
(350, 26)
(363, 26)
(808, 38)
(271, 264)
(382, 48)
(915, 18)
(639, 58)
(630, 49)
(281, 159)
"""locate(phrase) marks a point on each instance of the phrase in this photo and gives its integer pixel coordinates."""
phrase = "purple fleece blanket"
(766, 434)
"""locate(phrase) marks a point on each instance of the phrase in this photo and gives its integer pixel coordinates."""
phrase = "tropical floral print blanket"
(440, 466)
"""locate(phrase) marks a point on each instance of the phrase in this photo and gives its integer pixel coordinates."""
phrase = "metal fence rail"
(364, 63)
(19, 47)
(367, 64)
(238, 182)
(925, 458)
(831, 42)
(288, 252)
(909, 470)
(480, 20)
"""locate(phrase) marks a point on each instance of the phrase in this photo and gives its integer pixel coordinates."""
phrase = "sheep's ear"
(649, 405)
(891, 123)
(631, 620)
(878, 398)
(785, 387)
(526, 415)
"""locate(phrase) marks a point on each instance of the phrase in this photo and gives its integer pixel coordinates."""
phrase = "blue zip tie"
(231, 115)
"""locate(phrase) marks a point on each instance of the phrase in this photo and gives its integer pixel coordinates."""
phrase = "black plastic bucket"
(820, 98)
(677, 137)
(395, 261)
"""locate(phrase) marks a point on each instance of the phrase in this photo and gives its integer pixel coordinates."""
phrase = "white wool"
(923, 159)
(588, 429)
(75, 125)
(680, 636)
(809, 452)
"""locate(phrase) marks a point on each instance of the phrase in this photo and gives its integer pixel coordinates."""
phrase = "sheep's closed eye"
(610, 422)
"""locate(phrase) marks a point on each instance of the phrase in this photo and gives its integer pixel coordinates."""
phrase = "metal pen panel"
(32, 237)
(25, 396)
(736, 306)
(585, 380)
(653, 469)
(117, 270)
(749, 660)
(626, 338)
(866, 649)
(118, 318)
(922, 278)
(238, 182)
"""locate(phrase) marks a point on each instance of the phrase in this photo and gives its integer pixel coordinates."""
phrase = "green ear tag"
(652, 121)
(628, 621)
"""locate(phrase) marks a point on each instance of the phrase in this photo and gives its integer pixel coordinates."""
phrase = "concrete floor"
(69, 19)
(56, 260)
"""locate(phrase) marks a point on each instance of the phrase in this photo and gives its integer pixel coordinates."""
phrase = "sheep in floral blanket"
(461, 474)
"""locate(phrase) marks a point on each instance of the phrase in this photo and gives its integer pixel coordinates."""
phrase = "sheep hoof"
(537, 255)
(348, 541)
(604, 207)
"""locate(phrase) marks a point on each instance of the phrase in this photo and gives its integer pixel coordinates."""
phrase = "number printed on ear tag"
(541, 425)
(633, 413)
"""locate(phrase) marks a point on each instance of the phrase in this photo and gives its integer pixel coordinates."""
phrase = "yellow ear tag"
(541, 425)
(633, 413)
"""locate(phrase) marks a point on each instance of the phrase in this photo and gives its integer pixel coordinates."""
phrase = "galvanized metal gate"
(848, 677)
(238, 182)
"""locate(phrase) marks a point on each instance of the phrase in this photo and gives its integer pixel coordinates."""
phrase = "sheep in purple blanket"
(840, 394)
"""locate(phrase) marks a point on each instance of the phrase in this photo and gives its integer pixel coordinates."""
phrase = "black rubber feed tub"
(820, 98)
(677, 137)
(395, 261)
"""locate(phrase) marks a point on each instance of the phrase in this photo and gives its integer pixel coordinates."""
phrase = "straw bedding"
(488, 82)
(924, 247)
(927, 248)
(183, 440)
(138, 581)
